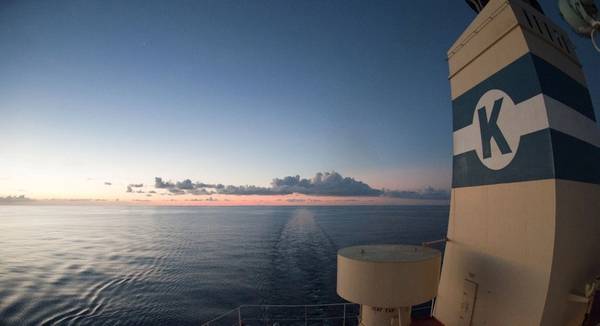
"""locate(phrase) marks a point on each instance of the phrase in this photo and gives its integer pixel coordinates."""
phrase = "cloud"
(427, 193)
(186, 184)
(321, 184)
(14, 200)
(209, 185)
(206, 199)
(246, 190)
(324, 184)
(160, 184)
(135, 185)
(200, 191)
(176, 191)
(108, 183)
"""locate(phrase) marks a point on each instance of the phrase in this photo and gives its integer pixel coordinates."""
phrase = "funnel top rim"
(389, 253)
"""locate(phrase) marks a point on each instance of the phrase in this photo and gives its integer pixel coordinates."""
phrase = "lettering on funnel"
(494, 120)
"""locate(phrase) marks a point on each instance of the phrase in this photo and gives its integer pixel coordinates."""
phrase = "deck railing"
(332, 314)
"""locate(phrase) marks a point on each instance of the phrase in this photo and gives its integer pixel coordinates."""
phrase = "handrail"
(296, 305)
(306, 318)
(221, 316)
(430, 243)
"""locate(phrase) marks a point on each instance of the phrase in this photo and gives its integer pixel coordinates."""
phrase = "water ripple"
(160, 266)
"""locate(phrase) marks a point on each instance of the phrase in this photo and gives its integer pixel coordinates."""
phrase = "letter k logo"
(496, 129)
(489, 129)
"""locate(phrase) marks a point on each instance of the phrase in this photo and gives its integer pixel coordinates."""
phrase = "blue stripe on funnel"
(544, 154)
(525, 78)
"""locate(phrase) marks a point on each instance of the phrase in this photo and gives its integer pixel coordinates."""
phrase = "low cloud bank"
(427, 193)
(322, 184)
(326, 184)
(15, 200)
(135, 185)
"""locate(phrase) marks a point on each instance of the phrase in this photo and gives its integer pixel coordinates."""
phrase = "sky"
(96, 96)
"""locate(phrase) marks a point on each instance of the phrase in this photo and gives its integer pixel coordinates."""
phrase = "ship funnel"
(524, 227)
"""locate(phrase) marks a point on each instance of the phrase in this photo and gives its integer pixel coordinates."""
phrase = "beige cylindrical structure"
(387, 280)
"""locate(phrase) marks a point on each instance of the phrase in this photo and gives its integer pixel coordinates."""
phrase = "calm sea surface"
(179, 266)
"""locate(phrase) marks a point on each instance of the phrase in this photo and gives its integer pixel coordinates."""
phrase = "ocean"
(80, 265)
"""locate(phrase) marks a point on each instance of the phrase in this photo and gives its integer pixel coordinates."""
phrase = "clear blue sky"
(236, 92)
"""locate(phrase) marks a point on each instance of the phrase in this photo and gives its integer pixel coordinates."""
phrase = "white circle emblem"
(496, 122)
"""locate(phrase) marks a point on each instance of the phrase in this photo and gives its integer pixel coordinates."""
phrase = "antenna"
(582, 16)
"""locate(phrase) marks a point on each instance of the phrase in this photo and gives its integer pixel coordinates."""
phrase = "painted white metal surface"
(388, 276)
